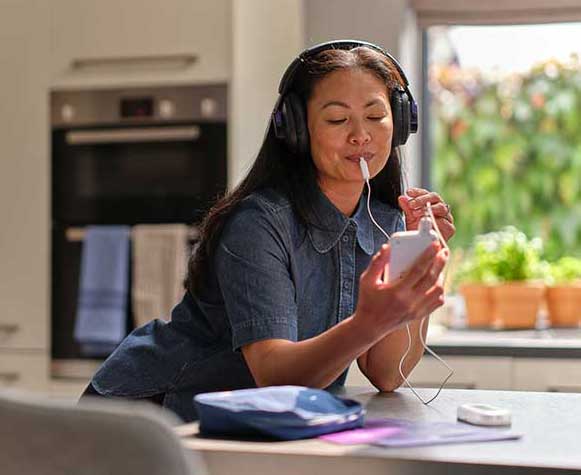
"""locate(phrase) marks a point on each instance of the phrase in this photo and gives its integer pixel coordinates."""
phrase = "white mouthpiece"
(364, 169)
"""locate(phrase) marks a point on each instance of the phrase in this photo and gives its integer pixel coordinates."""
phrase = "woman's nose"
(359, 135)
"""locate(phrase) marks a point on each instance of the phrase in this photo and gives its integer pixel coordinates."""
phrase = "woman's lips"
(355, 158)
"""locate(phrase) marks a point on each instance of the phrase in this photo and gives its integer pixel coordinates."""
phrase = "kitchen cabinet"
(547, 374)
(477, 372)
(23, 331)
(24, 198)
(27, 370)
(492, 372)
(469, 373)
(138, 42)
(24, 175)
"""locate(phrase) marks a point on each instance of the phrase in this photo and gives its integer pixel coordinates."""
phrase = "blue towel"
(104, 281)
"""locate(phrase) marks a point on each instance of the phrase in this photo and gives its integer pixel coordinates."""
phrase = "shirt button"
(346, 285)
(345, 238)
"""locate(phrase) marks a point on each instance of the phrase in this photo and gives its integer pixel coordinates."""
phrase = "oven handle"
(149, 134)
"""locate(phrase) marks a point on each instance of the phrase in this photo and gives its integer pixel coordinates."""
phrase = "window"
(504, 141)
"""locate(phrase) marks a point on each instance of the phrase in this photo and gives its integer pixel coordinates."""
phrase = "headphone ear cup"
(400, 111)
(396, 114)
(300, 130)
(289, 130)
(406, 118)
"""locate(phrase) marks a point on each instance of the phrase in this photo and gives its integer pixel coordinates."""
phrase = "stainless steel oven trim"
(133, 135)
(175, 105)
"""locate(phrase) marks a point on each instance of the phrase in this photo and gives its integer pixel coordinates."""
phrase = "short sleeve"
(252, 264)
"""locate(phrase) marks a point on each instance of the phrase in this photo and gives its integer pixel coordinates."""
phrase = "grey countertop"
(540, 343)
(549, 422)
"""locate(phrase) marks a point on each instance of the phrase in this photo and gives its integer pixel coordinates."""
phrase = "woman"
(286, 286)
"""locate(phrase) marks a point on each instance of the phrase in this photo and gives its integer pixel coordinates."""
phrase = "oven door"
(137, 174)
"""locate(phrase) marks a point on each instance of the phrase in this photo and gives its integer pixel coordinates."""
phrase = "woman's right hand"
(384, 306)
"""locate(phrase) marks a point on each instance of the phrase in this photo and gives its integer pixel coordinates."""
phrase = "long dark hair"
(295, 176)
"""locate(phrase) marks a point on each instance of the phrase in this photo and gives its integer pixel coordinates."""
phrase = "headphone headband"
(288, 77)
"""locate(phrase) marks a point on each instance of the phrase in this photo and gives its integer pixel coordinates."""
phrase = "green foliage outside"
(508, 152)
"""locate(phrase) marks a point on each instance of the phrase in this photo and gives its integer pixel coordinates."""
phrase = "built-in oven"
(128, 156)
(135, 156)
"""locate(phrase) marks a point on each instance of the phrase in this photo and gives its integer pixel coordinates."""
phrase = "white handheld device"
(484, 415)
(406, 247)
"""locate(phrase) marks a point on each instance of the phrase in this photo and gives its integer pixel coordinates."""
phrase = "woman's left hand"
(414, 204)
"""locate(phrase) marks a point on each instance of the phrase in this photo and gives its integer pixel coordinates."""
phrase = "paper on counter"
(373, 430)
(404, 433)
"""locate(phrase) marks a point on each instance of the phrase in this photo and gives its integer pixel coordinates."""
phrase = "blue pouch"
(281, 412)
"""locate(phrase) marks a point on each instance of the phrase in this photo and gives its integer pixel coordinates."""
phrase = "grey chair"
(41, 437)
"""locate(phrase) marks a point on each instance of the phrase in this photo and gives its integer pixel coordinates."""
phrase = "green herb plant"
(504, 256)
(566, 270)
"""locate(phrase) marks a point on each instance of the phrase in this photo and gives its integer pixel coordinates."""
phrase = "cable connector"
(364, 168)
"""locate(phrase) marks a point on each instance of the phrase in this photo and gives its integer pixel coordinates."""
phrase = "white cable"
(433, 353)
(365, 173)
(369, 211)
(436, 228)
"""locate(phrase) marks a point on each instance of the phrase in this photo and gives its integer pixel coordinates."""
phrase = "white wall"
(387, 23)
(266, 36)
(410, 58)
(377, 21)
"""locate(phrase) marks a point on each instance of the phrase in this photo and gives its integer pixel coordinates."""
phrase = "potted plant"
(502, 281)
(564, 293)
(519, 273)
(475, 277)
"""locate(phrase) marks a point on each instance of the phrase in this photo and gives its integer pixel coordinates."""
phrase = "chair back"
(98, 437)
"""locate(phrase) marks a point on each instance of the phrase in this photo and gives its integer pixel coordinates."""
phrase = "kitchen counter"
(549, 423)
(541, 343)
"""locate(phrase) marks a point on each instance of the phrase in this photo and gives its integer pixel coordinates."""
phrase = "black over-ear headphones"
(289, 115)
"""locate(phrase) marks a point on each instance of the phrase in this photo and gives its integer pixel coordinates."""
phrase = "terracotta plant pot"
(479, 307)
(564, 304)
(516, 304)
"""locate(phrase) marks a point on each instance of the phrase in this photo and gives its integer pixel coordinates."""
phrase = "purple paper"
(403, 433)
(415, 434)
(374, 429)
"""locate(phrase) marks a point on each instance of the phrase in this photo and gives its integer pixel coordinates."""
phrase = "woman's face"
(349, 116)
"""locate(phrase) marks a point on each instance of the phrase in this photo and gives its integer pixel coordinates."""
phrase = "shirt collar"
(330, 224)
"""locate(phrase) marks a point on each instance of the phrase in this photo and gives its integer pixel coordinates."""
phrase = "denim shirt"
(272, 277)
